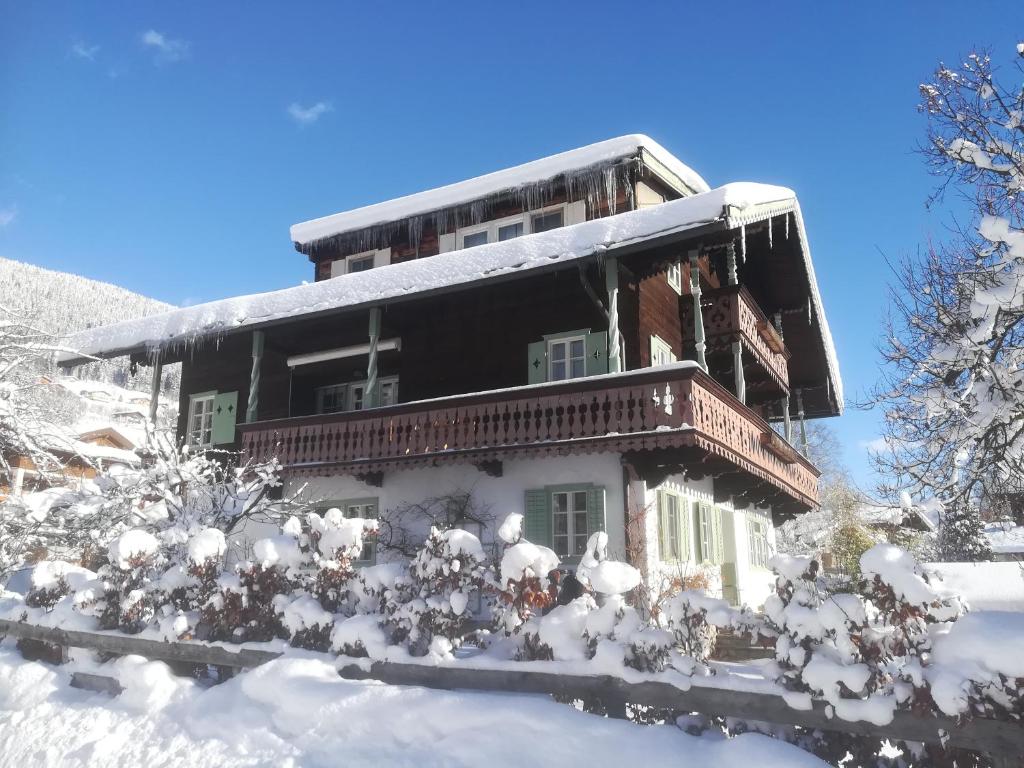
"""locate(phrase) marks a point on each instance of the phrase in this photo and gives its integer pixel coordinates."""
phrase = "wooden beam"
(698, 315)
(154, 387)
(493, 468)
(374, 479)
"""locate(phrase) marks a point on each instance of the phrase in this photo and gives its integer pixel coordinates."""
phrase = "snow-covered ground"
(296, 711)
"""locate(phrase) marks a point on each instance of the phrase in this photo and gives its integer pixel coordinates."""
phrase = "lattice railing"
(646, 409)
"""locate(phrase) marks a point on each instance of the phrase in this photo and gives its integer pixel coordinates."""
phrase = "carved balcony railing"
(669, 407)
(731, 314)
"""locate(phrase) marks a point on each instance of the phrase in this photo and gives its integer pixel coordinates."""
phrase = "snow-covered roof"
(498, 182)
(731, 205)
(1005, 538)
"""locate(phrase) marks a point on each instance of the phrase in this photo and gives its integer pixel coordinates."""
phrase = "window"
(360, 263)
(708, 533)
(567, 358)
(570, 523)
(757, 542)
(330, 399)
(511, 227)
(509, 231)
(364, 508)
(336, 398)
(675, 277)
(200, 419)
(475, 238)
(661, 353)
(542, 222)
(670, 533)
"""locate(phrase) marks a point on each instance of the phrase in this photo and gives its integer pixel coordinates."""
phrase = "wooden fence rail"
(1002, 740)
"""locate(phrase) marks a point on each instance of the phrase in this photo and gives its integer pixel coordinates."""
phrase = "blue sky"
(167, 147)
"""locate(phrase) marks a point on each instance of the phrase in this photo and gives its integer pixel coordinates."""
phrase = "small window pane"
(558, 371)
(510, 231)
(361, 265)
(477, 238)
(580, 501)
(561, 502)
(558, 351)
(542, 222)
(578, 369)
(577, 348)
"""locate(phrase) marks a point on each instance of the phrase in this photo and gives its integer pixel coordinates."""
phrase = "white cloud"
(878, 445)
(307, 115)
(7, 215)
(83, 51)
(166, 49)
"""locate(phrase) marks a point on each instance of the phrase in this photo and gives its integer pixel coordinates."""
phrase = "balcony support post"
(370, 395)
(611, 281)
(787, 423)
(698, 317)
(253, 405)
(800, 417)
(154, 388)
(737, 363)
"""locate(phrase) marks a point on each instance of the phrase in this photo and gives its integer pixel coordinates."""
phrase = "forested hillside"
(60, 303)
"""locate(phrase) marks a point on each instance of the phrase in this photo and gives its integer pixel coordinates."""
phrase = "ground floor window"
(570, 522)
(200, 419)
(672, 528)
(708, 533)
(757, 542)
(364, 508)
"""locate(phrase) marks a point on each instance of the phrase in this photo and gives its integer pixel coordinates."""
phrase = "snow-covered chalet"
(596, 339)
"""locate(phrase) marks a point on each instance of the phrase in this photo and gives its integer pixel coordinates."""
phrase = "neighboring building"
(518, 335)
(81, 457)
(1007, 541)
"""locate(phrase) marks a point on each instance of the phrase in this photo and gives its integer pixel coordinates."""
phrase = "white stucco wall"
(503, 495)
(754, 583)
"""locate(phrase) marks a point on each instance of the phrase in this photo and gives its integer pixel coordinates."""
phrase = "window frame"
(347, 392)
(758, 548)
(201, 397)
(674, 276)
(659, 345)
(672, 533)
(525, 219)
(567, 340)
(571, 534)
(346, 506)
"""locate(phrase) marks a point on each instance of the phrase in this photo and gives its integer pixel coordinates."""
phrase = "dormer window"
(542, 222)
(511, 227)
(361, 262)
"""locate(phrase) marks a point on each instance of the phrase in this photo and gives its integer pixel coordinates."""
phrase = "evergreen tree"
(962, 536)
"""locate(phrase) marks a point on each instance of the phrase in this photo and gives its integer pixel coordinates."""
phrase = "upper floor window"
(542, 222)
(200, 419)
(511, 227)
(335, 398)
(675, 277)
(661, 352)
(567, 358)
(361, 262)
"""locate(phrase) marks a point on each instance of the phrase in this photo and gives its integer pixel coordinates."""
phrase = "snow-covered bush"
(429, 613)
(522, 587)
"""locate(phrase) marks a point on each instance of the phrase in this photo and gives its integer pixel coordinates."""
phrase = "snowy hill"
(61, 303)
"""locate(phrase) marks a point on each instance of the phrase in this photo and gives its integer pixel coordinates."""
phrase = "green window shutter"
(595, 508)
(662, 527)
(537, 526)
(225, 414)
(700, 516)
(719, 542)
(684, 533)
(597, 353)
(537, 362)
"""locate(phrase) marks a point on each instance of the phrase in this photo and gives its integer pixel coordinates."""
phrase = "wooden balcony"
(731, 314)
(677, 411)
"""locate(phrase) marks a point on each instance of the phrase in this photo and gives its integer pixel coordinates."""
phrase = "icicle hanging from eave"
(787, 226)
(770, 243)
(743, 243)
(597, 184)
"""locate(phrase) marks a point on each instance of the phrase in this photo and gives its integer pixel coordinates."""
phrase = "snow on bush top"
(899, 570)
(467, 191)
(339, 533)
(464, 543)
(131, 545)
(208, 544)
(511, 529)
(527, 559)
(278, 550)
